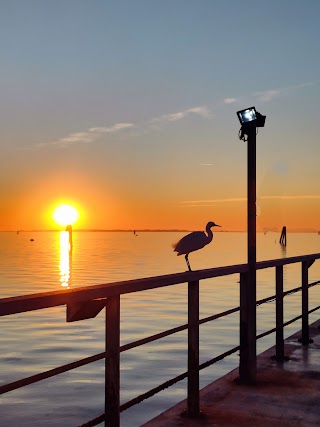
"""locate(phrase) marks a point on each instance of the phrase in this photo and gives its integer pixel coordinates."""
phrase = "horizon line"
(127, 230)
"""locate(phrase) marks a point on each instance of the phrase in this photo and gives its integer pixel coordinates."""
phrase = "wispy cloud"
(230, 100)
(111, 129)
(301, 197)
(75, 137)
(202, 111)
(92, 134)
(88, 136)
(210, 202)
(270, 94)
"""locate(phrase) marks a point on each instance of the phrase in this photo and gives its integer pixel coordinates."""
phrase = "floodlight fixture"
(247, 115)
(251, 115)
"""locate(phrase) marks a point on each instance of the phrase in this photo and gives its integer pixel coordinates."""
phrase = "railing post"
(112, 363)
(279, 314)
(193, 399)
(305, 303)
(247, 366)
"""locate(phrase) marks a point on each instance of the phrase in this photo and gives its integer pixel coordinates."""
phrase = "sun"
(65, 215)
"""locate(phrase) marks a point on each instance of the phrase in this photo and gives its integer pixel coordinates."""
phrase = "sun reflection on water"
(65, 259)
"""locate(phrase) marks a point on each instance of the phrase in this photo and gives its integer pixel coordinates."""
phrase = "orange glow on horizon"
(105, 211)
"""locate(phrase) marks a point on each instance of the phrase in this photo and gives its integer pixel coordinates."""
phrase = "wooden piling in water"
(283, 237)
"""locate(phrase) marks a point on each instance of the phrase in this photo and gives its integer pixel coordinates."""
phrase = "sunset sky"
(126, 109)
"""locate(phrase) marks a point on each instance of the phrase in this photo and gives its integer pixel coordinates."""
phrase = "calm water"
(31, 343)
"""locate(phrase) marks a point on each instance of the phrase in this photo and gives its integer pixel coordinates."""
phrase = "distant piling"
(69, 230)
(283, 237)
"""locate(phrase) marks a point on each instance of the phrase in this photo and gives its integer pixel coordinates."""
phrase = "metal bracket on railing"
(310, 263)
(84, 309)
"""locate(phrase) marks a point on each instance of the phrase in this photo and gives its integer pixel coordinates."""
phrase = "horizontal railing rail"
(109, 295)
(20, 304)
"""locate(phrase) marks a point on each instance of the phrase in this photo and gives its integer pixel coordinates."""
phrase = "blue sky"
(133, 103)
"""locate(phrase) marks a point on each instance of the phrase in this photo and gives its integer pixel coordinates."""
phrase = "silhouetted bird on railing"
(194, 241)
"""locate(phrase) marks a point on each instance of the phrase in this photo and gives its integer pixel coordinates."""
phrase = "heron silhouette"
(194, 241)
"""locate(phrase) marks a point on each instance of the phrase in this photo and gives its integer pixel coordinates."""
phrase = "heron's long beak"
(217, 225)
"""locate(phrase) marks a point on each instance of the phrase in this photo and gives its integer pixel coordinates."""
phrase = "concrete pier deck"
(287, 394)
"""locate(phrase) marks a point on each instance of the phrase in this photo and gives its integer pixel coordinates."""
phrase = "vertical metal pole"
(244, 366)
(193, 350)
(112, 364)
(279, 314)
(305, 304)
(252, 243)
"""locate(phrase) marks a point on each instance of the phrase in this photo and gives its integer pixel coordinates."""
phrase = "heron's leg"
(187, 260)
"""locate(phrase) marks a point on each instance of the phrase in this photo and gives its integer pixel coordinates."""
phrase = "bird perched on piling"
(194, 241)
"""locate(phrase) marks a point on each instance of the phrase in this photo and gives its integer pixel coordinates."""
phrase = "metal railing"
(83, 303)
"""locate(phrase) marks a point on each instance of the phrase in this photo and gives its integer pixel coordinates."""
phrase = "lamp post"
(250, 119)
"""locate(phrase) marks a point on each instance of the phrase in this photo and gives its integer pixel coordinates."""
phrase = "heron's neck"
(210, 234)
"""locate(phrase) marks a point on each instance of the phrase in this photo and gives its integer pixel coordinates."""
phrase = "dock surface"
(286, 394)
